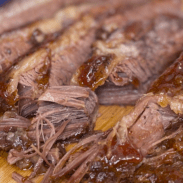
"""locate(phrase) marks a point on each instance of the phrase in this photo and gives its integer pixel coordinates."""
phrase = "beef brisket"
(67, 53)
(74, 46)
(126, 48)
(144, 145)
(9, 136)
(144, 12)
(126, 62)
(18, 13)
(28, 79)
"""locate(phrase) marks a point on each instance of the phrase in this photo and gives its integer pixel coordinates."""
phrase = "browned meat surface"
(17, 13)
(19, 42)
(30, 77)
(69, 53)
(20, 12)
(125, 62)
(137, 13)
(145, 146)
(8, 127)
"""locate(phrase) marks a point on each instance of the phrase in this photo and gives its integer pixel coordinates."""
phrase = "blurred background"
(3, 2)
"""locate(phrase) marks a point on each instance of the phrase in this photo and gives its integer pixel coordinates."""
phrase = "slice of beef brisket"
(17, 43)
(9, 136)
(72, 48)
(19, 12)
(131, 58)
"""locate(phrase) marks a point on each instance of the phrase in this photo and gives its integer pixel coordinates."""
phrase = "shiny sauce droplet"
(93, 72)
(121, 163)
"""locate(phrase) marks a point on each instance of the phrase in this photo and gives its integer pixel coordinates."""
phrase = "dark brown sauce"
(120, 164)
(6, 101)
(92, 72)
(171, 81)
(44, 75)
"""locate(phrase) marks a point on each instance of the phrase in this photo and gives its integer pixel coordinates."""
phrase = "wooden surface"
(108, 116)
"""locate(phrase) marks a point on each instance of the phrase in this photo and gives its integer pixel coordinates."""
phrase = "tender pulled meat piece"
(72, 48)
(60, 103)
(145, 146)
(144, 12)
(29, 78)
(131, 58)
(65, 112)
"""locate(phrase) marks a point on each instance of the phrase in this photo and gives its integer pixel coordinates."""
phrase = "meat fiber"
(64, 113)
(144, 146)
(125, 63)
(18, 13)
(9, 135)
(40, 115)
(76, 104)
(51, 65)
(137, 13)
